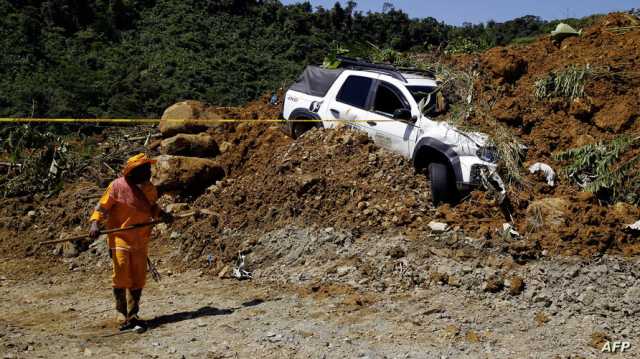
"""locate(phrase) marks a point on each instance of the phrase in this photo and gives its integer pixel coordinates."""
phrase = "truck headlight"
(488, 154)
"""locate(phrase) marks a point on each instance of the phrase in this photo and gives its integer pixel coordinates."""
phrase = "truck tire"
(443, 188)
(298, 128)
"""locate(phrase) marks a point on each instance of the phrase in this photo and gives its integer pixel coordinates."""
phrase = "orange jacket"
(122, 206)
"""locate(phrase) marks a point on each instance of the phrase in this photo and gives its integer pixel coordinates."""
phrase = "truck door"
(398, 135)
(350, 102)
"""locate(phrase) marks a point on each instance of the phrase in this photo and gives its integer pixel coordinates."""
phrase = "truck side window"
(355, 90)
(388, 100)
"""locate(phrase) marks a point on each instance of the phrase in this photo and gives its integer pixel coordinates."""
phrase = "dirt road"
(196, 315)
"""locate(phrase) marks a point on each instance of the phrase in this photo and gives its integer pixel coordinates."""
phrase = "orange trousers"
(129, 268)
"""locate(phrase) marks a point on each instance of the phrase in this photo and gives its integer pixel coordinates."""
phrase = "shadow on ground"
(180, 316)
(202, 312)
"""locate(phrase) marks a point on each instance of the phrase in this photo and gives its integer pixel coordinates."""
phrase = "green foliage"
(465, 46)
(524, 40)
(568, 83)
(609, 168)
(126, 58)
(331, 61)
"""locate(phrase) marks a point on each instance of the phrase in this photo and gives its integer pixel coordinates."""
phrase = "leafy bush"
(611, 169)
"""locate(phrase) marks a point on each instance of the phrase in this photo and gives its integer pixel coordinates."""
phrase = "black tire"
(443, 188)
(298, 128)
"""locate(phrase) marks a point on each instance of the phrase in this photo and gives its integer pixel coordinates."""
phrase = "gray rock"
(438, 227)
(587, 297)
(543, 297)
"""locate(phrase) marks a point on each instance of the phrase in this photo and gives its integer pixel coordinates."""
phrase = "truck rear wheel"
(298, 128)
(443, 188)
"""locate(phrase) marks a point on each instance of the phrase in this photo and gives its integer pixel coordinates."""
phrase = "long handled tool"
(106, 231)
(115, 230)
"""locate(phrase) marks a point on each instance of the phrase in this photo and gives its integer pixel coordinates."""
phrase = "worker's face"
(140, 174)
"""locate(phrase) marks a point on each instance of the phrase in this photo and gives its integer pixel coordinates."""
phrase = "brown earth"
(339, 178)
(381, 265)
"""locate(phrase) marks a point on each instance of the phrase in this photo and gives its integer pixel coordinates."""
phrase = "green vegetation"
(104, 58)
(610, 169)
(568, 83)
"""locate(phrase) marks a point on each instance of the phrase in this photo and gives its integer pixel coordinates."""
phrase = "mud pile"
(609, 106)
(330, 178)
(576, 222)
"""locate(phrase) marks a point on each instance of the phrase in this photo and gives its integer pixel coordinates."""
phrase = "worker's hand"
(166, 217)
(94, 231)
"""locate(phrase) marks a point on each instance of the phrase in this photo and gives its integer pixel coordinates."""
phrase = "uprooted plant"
(42, 160)
(567, 83)
(610, 169)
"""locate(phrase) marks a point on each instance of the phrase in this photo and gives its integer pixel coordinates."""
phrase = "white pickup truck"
(392, 106)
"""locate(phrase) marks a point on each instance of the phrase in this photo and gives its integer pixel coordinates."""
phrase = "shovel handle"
(107, 231)
(114, 230)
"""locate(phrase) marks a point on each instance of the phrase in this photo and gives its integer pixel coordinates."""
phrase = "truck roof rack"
(395, 72)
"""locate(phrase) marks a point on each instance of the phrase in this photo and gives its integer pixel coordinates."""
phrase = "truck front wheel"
(443, 188)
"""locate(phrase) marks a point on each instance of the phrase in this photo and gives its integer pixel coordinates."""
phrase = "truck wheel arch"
(429, 150)
(302, 114)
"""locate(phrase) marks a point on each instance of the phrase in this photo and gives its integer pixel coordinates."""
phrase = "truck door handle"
(335, 113)
(372, 123)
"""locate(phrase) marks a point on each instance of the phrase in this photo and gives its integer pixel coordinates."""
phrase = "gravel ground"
(321, 293)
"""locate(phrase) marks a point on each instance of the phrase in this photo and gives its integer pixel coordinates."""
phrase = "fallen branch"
(138, 138)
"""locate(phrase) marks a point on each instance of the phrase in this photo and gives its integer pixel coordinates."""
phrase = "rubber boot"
(121, 300)
(134, 304)
(121, 306)
(139, 325)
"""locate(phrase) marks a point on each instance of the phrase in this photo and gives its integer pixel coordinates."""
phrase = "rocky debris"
(598, 339)
(325, 177)
(198, 145)
(493, 284)
(225, 147)
(185, 174)
(548, 212)
(176, 207)
(438, 227)
(515, 285)
(188, 117)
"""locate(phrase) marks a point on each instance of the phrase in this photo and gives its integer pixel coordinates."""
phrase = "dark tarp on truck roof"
(316, 81)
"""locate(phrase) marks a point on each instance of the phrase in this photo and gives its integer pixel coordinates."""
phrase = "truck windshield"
(425, 96)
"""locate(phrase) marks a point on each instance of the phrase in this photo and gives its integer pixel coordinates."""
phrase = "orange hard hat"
(136, 161)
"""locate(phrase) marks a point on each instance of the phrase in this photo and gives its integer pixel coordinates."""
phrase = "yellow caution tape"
(150, 121)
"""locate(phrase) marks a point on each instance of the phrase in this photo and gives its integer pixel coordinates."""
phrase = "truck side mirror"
(402, 114)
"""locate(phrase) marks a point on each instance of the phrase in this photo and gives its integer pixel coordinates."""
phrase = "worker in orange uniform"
(130, 199)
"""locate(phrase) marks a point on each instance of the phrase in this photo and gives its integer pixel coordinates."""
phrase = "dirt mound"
(606, 55)
(327, 177)
(609, 106)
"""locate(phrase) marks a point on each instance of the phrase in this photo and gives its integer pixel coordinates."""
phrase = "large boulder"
(188, 117)
(200, 145)
(548, 213)
(185, 174)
